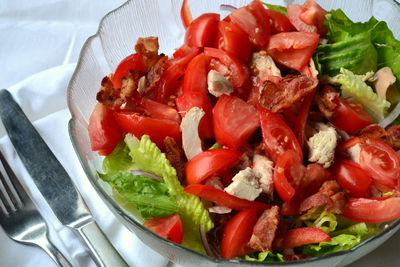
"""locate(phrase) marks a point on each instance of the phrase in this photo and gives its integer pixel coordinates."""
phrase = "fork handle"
(54, 253)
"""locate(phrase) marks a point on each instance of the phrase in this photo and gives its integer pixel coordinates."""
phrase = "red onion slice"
(204, 240)
(148, 174)
(391, 117)
(226, 7)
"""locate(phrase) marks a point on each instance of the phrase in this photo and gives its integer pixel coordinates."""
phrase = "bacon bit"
(155, 73)
(108, 95)
(327, 101)
(265, 229)
(338, 203)
(393, 136)
(129, 85)
(176, 156)
(290, 89)
(373, 131)
(148, 49)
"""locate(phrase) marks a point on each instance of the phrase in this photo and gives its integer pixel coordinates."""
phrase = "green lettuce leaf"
(337, 243)
(215, 146)
(320, 218)
(362, 230)
(118, 160)
(277, 8)
(265, 256)
(355, 88)
(152, 198)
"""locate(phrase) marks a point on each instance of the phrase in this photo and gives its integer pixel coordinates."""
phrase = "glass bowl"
(115, 39)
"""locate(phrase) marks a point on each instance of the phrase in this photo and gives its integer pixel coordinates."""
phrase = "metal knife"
(54, 183)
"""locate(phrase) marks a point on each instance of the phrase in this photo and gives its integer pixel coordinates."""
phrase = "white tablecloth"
(44, 38)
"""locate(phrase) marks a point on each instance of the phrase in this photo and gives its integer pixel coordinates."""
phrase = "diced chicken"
(322, 145)
(354, 153)
(265, 229)
(263, 170)
(219, 209)
(244, 185)
(191, 141)
(384, 79)
(263, 65)
(218, 84)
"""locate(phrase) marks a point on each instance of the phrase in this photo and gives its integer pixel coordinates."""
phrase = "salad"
(272, 134)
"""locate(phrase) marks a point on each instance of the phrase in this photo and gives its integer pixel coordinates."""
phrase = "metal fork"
(20, 219)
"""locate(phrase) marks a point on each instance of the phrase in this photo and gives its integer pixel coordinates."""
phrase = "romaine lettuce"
(277, 8)
(265, 256)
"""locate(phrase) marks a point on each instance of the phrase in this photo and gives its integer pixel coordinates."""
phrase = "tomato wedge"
(132, 62)
(186, 15)
(237, 234)
(314, 14)
(159, 111)
(188, 100)
(293, 49)
(279, 22)
(304, 236)
(234, 40)
(223, 198)
(195, 78)
(294, 12)
(277, 135)
(381, 162)
(139, 125)
(372, 210)
(234, 121)
(169, 227)
(209, 163)
(202, 30)
(104, 132)
(352, 178)
(283, 174)
(350, 117)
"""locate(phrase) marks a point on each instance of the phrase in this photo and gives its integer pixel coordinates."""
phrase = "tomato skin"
(304, 236)
(234, 40)
(309, 17)
(202, 30)
(104, 132)
(301, 120)
(372, 210)
(279, 22)
(188, 100)
(208, 163)
(237, 233)
(223, 198)
(169, 227)
(381, 162)
(282, 173)
(277, 135)
(132, 62)
(293, 49)
(159, 111)
(234, 121)
(186, 15)
(352, 178)
(195, 78)
(350, 117)
(139, 125)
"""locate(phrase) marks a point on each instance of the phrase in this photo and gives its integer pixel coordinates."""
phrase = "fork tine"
(5, 201)
(12, 185)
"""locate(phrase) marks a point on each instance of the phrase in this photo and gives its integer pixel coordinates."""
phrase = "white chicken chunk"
(354, 153)
(322, 145)
(218, 84)
(264, 65)
(245, 185)
(191, 141)
(384, 78)
(263, 169)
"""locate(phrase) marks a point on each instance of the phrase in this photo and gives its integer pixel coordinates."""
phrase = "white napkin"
(43, 99)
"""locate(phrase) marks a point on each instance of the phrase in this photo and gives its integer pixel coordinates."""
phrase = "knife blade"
(54, 182)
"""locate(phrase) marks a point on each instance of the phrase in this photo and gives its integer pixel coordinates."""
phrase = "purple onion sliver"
(148, 174)
(229, 8)
(205, 241)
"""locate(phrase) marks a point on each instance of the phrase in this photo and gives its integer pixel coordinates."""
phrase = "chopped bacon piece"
(393, 136)
(129, 85)
(176, 156)
(288, 90)
(108, 95)
(327, 101)
(373, 131)
(265, 229)
(338, 203)
(315, 200)
(155, 73)
(148, 49)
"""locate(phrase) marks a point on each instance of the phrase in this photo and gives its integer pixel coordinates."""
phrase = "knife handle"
(102, 251)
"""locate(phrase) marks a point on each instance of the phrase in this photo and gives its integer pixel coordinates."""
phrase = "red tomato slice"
(352, 178)
(349, 143)
(209, 163)
(234, 121)
(314, 14)
(104, 132)
(372, 210)
(132, 62)
(279, 22)
(381, 162)
(294, 12)
(237, 233)
(254, 22)
(202, 30)
(283, 175)
(234, 40)
(159, 111)
(301, 120)
(293, 49)
(186, 15)
(277, 135)
(170, 227)
(195, 78)
(176, 69)
(223, 198)
(188, 100)
(304, 236)
(238, 72)
(157, 129)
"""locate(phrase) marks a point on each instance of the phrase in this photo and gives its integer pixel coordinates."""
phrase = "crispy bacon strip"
(265, 229)
(108, 95)
(326, 101)
(176, 156)
(155, 73)
(148, 49)
(288, 90)
(373, 131)
(393, 136)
